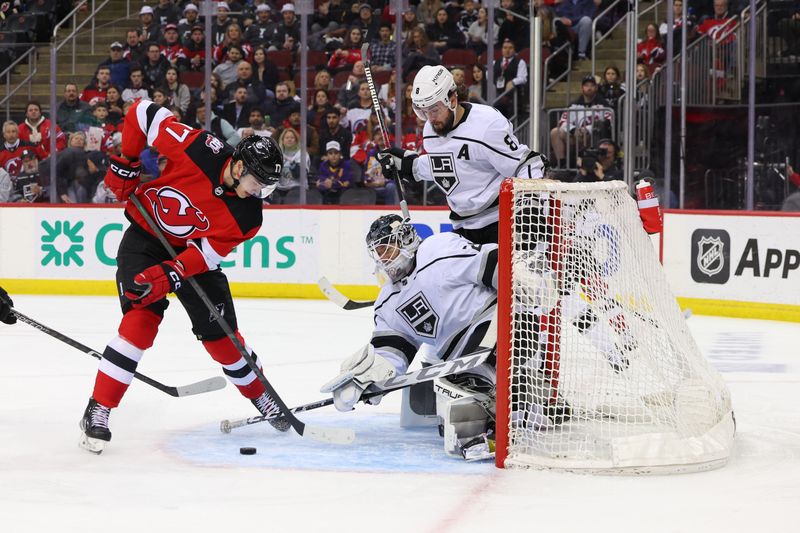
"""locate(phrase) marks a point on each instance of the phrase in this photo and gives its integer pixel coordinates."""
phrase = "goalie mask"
(393, 244)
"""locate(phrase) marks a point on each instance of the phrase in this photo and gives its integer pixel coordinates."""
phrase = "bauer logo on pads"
(420, 315)
(443, 168)
(711, 250)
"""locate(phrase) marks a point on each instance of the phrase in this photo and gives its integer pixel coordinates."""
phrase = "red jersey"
(189, 200)
(173, 52)
(651, 52)
(93, 94)
(219, 52)
(718, 28)
(11, 156)
(43, 145)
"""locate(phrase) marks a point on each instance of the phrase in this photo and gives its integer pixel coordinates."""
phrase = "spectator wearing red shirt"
(12, 149)
(96, 91)
(651, 51)
(195, 49)
(35, 129)
(345, 57)
(717, 26)
(172, 49)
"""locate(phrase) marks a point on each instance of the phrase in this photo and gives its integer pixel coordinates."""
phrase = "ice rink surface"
(168, 468)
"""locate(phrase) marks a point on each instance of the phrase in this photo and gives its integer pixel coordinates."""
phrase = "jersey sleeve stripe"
(212, 258)
(150, 116)
(396, 344)
(378, 306)
(495, 150)
(488, 271)
(442, 258)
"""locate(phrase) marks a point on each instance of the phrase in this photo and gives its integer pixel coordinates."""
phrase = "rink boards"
(724, 263)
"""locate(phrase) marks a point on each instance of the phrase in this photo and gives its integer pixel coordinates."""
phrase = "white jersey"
(470, 162)
(446, 302)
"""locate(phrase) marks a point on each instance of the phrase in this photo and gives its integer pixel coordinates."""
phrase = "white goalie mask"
(430, 95)
(392, 244)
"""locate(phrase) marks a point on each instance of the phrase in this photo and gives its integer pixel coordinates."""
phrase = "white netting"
(604, 374)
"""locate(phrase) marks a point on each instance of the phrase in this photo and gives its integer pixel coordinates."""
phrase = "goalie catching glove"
(123, 176)
(397, 160)
(156, 282)
(358, 372)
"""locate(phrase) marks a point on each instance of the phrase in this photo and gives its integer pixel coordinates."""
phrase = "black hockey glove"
(6, 315)
(397, 160)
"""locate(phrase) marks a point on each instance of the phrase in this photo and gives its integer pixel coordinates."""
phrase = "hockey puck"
(246, 450)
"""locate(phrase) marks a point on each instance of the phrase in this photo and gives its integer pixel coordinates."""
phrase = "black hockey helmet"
(392, 243)
(262, 157)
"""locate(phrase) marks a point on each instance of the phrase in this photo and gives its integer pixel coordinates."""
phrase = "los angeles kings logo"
(419, 314)
(175, 213)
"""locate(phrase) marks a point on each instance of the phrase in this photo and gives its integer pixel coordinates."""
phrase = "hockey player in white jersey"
(441, 292)
(469, 150)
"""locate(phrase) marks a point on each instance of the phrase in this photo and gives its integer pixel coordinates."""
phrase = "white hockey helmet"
(432, 85)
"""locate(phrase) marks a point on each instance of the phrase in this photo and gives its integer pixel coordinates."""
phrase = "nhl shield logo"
(711, 250)
(419, 314)
(710, 259)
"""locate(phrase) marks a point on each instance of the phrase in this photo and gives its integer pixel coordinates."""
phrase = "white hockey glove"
(358, 372)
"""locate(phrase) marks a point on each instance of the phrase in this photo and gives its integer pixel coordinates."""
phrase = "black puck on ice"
(246, 450)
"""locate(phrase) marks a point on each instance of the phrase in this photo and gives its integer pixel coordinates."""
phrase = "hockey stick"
(402, 381)
(206, 385)
(376, 106)
(332, 435)
(340, 299)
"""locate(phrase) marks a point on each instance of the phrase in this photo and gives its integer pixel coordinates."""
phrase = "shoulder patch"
(209, 155)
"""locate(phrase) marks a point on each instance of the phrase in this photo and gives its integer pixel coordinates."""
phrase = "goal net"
(596, 368)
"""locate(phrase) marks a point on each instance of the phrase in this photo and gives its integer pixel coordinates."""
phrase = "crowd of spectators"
(255, 73)
(254, 82)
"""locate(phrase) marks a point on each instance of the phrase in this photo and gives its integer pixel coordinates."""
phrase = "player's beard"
(445, 127)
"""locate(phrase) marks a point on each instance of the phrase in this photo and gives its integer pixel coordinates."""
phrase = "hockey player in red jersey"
(206, 202)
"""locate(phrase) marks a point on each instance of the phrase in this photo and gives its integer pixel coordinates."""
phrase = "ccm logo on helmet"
(124, 172)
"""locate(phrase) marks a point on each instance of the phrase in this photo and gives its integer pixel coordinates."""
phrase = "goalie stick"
(340, 299)
(331, 435)
(206, 385)
(402, 381)
(376, 106)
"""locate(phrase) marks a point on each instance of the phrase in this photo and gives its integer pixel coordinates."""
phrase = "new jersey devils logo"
(214, 143)
(13, 166)
(175, 213)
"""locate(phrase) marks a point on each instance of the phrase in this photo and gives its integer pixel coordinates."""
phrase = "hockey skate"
(267, 407)
(94, 425)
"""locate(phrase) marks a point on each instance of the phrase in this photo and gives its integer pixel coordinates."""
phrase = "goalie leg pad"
(466, 405)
